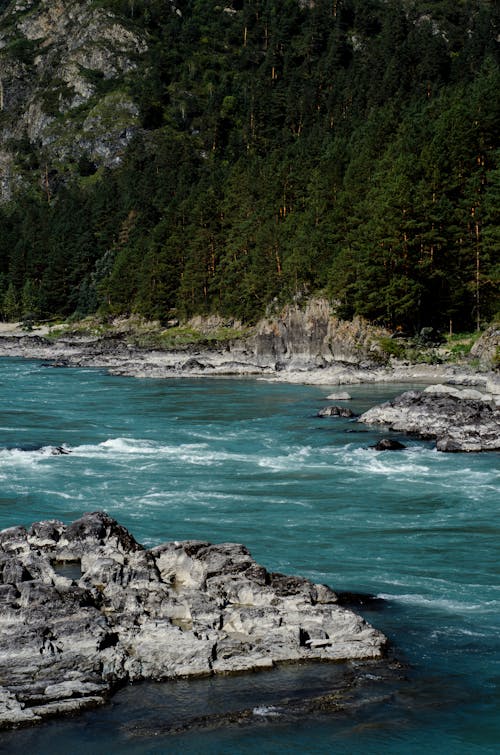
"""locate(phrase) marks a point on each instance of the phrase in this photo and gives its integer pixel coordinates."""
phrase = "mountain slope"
(219, 158)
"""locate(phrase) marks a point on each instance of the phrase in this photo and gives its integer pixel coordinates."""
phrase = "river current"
(248, 461)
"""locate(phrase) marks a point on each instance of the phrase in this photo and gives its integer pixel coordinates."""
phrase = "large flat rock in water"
(85, 608)
(460, 420)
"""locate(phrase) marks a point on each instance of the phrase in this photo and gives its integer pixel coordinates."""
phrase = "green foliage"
(30, 300)
(180, 337)
(459, 345)
(283, 149)
(10, 305)
(22, 49)
(392, 347)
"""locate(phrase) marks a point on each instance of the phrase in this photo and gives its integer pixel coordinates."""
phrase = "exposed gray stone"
(487, 348)
(459, 420)
(388, 444)
(181, 609)
(73, 45)
(336, 411)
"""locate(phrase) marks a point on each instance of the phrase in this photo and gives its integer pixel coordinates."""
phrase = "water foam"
(199, 454)
(266, 710)
(18, 457)
(446, 604)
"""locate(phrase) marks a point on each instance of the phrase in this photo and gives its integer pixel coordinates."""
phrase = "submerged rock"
(181, 609)
(336, 411)
(460, 420)
(388, 444)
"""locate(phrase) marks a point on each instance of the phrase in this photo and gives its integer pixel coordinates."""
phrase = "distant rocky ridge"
(85, 608)
(459, 420)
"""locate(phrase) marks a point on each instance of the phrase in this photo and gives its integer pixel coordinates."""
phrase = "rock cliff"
(86, 608)
(487, 348)
(311, 336)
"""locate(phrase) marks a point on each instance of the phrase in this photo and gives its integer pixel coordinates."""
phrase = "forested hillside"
(270, 149)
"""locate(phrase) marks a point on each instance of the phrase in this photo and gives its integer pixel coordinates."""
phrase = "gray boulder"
(388, 444)
(336, 411)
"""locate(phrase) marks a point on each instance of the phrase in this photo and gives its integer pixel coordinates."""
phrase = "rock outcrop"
(86, 608)
(336, 411)
(487, 348)
(388, 444)
(61, 94)
(460, 420)
(300, 340)
(311, 336)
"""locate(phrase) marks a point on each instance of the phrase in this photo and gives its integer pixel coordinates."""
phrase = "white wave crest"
(446, 604)
(200, 454)
(266, 710)
(20, 457)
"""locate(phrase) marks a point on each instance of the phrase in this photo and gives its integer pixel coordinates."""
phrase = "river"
(248, 461)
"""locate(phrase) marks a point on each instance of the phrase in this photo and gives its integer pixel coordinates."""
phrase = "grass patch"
(182, 336)
(144, 334)
(459, 345)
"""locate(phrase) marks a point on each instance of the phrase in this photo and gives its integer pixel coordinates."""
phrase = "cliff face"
(302, 337)
(487, 348)
(62, 93)
(314, 336)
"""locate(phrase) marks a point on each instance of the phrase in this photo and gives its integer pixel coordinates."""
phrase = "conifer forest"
(281, 149)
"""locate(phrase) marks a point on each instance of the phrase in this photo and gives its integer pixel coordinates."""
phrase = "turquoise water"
(248, 461)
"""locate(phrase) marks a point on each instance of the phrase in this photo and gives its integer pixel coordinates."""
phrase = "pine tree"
(10, 305)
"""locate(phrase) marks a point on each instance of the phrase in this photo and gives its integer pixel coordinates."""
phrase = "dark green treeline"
(348, 147)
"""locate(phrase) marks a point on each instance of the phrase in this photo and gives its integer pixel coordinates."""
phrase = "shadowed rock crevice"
(178, 610)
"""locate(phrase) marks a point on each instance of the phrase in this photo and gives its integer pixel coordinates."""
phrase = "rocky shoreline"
(460, 420)
(238, 359)
(301, 347)
(86, 609)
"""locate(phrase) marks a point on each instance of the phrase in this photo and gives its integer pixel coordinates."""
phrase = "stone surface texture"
(460, 420)
(126, 613)
(336, 411)
(487, 348)
(312, 336)
(307, 345)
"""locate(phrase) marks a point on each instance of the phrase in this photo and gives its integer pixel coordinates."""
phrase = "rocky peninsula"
(459, 420)
(86, 609)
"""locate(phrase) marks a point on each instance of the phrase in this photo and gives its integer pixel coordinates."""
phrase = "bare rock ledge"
(459, 420)
(84, 608)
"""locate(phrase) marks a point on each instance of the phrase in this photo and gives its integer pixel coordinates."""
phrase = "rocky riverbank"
(85, 608)
(294, 341)
(459, 420)
(308, 347)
